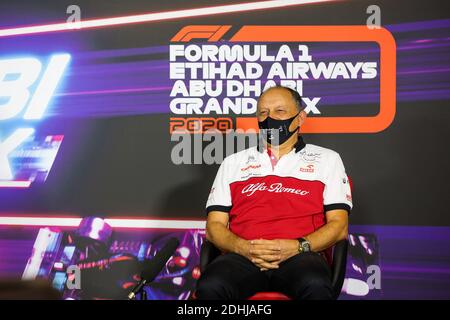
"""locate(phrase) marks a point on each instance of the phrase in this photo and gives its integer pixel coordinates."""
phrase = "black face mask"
(269, 128)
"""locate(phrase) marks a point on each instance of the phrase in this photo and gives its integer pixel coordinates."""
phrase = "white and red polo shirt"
(284, 199)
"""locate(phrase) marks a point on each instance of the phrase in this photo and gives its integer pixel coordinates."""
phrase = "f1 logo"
(212, 33)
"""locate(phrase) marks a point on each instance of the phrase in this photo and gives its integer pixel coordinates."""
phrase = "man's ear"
(302, 117)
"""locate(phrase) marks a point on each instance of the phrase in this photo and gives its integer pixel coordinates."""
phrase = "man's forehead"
(275, 96)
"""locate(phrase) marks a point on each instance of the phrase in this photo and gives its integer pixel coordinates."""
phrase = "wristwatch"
(304, 245)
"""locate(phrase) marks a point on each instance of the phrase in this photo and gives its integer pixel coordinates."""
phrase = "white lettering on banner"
(250, 189)
(226, 79)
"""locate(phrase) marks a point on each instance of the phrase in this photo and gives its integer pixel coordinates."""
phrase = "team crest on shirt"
(251, 167)
(309, 168)
(310, 156)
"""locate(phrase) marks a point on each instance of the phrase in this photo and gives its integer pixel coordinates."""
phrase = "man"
(274, 209)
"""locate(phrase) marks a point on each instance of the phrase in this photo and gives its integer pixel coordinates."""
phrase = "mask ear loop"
(292, 119)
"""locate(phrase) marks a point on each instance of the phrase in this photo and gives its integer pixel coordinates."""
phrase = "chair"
(209, 252)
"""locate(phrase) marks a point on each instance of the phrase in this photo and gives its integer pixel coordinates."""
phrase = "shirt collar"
(300, 144)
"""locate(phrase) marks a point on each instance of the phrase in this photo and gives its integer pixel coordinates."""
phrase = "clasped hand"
(268, 254)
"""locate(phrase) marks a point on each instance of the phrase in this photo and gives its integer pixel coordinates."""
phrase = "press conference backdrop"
(89, 159)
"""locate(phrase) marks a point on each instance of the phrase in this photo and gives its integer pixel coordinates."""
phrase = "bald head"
(295, 96)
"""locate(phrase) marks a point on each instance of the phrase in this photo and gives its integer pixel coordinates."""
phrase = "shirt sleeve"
(220, 195)
(337, 193)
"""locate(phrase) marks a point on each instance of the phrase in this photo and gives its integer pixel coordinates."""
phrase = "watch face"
(305, 246)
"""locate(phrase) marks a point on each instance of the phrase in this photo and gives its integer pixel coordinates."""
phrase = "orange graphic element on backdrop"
(381, 36)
